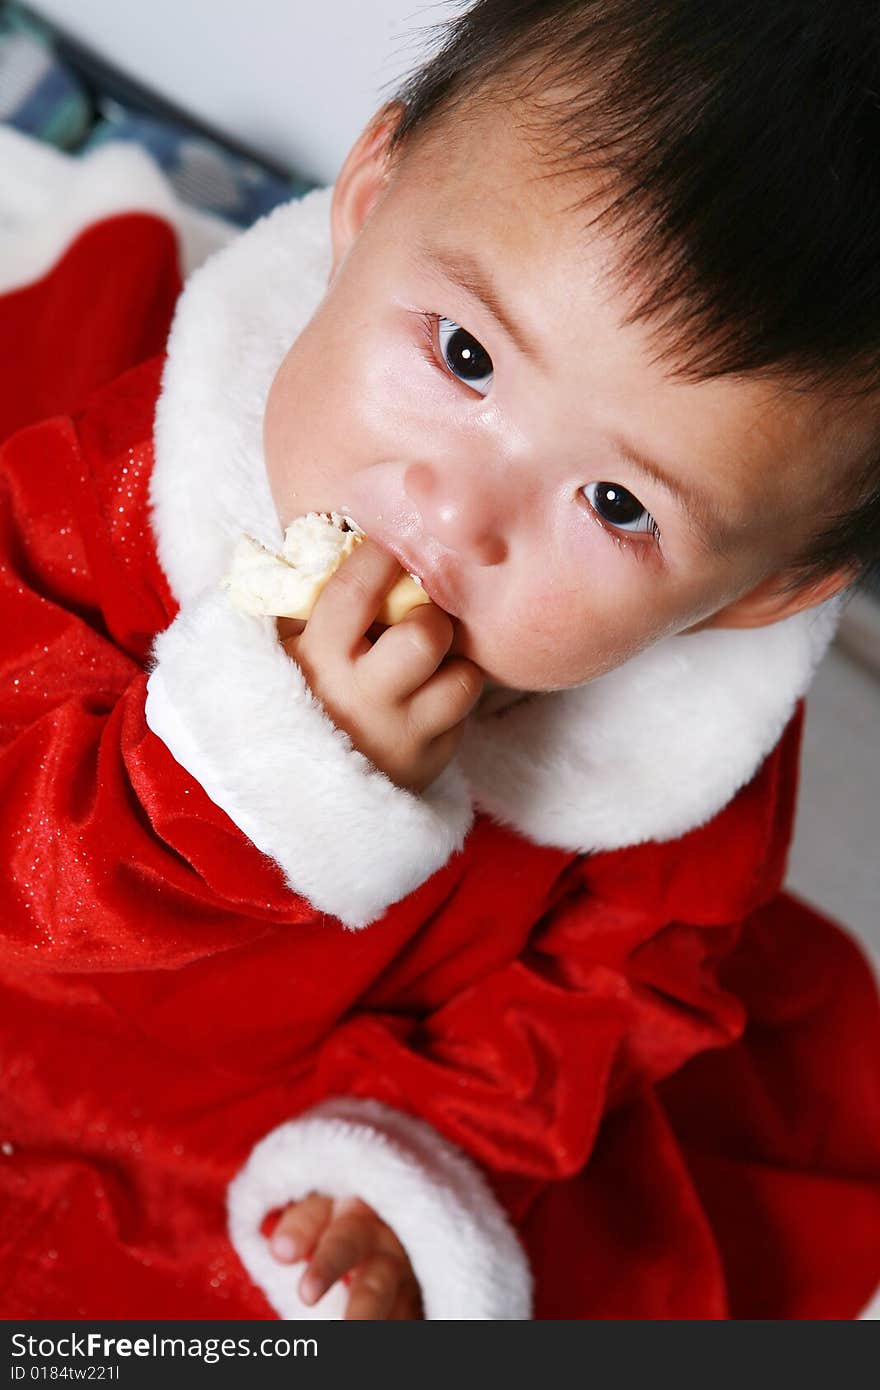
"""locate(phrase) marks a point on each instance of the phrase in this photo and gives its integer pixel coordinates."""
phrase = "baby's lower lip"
(430, 581)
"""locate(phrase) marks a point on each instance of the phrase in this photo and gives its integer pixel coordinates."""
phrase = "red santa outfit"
(553, 1018)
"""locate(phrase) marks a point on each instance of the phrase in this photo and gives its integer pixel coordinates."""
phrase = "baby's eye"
(464, 356)
(618, 508)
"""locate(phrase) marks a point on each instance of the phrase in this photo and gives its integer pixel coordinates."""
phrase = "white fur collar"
(648, 751)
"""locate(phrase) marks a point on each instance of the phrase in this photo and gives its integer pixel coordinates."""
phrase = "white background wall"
(296, 79)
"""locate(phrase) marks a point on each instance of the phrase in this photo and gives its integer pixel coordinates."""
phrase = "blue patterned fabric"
(39, 94)
(45, 96)
(201, 171)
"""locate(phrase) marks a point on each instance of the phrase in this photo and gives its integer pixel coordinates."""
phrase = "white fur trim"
(248, 728)
(648, 751)
(48, 198)
(652, 749)
(465, 1255)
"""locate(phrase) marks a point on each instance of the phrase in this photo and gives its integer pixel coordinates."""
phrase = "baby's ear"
(770, 601)
(362, 179)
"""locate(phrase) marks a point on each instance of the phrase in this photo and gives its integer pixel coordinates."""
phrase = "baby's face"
(467, 392)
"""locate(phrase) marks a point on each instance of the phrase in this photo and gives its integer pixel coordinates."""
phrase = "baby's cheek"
(563, 635)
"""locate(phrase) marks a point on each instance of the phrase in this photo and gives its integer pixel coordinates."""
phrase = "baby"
(579, 498)
(431, 917)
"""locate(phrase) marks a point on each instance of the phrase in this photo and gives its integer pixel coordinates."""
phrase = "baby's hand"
(345, 1236)
(401, 700)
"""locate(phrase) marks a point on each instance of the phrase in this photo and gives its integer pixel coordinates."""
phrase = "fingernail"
(284, 1247)
(310, 1288)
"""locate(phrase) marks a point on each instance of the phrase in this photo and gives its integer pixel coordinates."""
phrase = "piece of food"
(287, 585)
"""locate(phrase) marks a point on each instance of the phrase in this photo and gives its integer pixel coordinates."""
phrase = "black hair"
(742, 140)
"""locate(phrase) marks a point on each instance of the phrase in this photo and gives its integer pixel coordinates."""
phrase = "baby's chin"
(533, 667)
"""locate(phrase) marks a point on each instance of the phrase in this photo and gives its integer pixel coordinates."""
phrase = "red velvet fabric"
(666, 1067)
(103, 306)
(744, 1185)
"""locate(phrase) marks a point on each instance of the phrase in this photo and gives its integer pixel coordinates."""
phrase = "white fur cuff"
(464, 1252)
(236, 712)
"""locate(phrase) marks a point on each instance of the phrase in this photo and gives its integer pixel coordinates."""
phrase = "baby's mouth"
(432, 580)
(392, 522)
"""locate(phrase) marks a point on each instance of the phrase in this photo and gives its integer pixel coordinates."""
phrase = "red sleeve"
(114, 855)
(617, 987)
(519, 1067)
(682, 1116)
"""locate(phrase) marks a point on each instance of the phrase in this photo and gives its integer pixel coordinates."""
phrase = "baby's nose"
(458, 510)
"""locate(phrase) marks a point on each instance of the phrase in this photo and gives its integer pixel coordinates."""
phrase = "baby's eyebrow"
(716, 534)
(466, 270)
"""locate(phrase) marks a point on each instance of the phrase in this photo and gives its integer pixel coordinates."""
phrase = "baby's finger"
(348, 1240)
(406, 655)
(407, 1306)
(299, 1227)
(289, 627)
(374, 1288)
(347, 605)
(447, 698)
